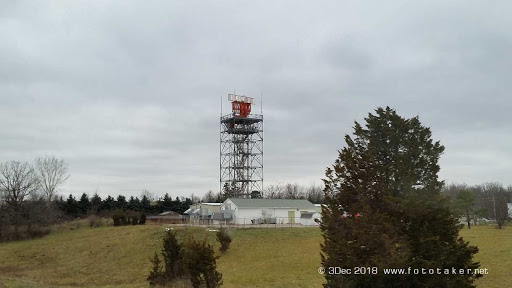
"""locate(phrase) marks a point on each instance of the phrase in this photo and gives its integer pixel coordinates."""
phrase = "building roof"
(169, 213)
(272, 203)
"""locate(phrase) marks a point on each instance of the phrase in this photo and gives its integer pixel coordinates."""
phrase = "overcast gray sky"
(128, 92)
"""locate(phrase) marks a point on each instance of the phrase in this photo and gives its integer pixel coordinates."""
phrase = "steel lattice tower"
(241, 149)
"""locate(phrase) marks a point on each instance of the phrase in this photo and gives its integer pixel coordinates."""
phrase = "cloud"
(129, 92)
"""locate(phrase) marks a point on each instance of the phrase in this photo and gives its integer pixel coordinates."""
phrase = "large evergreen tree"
(95, 202)
(84, 204)
(121, 202)
(72, 207)
(108, 204)
(384, 209)
(133, 204)
(145, 204)
(168, 204)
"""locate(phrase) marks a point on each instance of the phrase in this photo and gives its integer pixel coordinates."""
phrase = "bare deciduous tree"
(150, 196)
(274, 192)
(51, 172)
(17, 181)
(3, 215)
(315, 194)
(453, 189)
(293, 191)
(209, 197)
(496, 197)
(312, 193)
(195, 199)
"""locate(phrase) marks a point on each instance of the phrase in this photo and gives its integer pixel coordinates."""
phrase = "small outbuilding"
(169, 217)
(268, 211)
(209, 207)
(202, 213)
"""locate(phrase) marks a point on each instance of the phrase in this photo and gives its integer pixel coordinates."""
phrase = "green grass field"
(119, 257)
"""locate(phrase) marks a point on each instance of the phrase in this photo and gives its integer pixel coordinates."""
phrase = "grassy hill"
(119, 257)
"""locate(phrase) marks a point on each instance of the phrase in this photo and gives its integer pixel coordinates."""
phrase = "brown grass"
(119, 257)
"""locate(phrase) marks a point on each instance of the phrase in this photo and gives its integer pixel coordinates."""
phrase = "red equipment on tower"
(241, 105)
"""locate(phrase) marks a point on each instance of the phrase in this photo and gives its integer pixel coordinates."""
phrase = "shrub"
(142, 219)
(172, 269)
(156, 276)
(192, 264)
(75, 225)
(173, 256)
(119, 218)
(134, 219)
(200, 264)
(224, 240)
(38, 233)
(94, 221)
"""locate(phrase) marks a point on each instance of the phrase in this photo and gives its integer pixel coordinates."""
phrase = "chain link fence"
(276, 222)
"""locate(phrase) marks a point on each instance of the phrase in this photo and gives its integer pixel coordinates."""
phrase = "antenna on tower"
(261, 100)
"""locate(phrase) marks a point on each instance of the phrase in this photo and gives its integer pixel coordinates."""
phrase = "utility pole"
(494, 205)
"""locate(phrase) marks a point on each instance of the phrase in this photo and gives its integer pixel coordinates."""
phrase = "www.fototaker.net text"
(401, 271)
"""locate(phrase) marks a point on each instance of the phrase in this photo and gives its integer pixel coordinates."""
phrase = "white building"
(210, 207)
(203, 211)
(319, 208)
(268, 211)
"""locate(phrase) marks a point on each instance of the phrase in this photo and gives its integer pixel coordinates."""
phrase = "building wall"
(226, 204)
(166, 220)
(311, 221)
(245, 215)
(211, 208)
(318, 214)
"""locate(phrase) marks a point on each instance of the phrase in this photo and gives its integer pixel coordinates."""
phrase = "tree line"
(72, 207)
(474, 202)
(30, 204)
(313, 193)
(26, 194)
